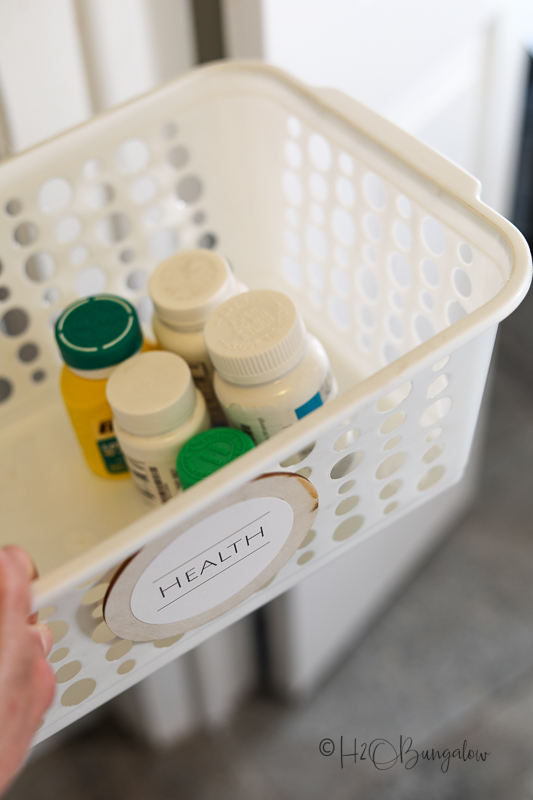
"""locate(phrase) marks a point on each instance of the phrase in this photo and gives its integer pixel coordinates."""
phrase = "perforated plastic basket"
(395, 263)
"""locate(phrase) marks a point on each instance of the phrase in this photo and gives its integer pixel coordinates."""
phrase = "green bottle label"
(112, 455)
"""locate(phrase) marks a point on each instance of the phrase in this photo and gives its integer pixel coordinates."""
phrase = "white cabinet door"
(452, 74)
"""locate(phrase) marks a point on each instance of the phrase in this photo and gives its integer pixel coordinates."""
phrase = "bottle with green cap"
(94, 335)
(209, 451)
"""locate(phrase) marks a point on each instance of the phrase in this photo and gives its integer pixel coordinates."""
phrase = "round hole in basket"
(438, 386)
(38, 376)
(427, 301)
(403, 204)
(462, 283)
(51, 296)
(346, 505)
(207, 241)
(348, 528)
(126, 666)
(316, 242)
(92, 168)
(169, 130)
(394, 398)
(374, 191)
(396, 301)
(390, 444)
(78, 692)
(436, 411)
(13, 207)
(55, 195)
(465, 253)
(343, 226)
(308, 539)
(28, 352)
(68, 229)
(433, 236)
(344, 189)
(26, 233)
(338, 313)
(58, 655)
(392, 423)
(434, 434)
(390, 489)
(395, 326)
(59, 629)
(319, 151)
(178, 156)
(292, 187)
(292, 217)
(293, 154)
(95, 594)
(294, 126)
(78, 255)
(305, 472)
(402, 235)
(143, 190)
(292, 272)
(164, 243)
(6, 389)
(40, 266)
(189, 189)
(430, 272)
(431, 477)
(305, 557)
(68, 671)
(346, 440)
(292, 242)
(14, 322)
(365, 316)
(346, 487)
(391, 465)
(346, 465)
(423, 328)
(318, 214)
(433, 453)
(370, 254)
(91, 280)
(100, 195)
(318, 186)
(162, 643)
(341, 282)
(440, 364)
(390, 353)
(133, 155)
(114, 228)
(296, 458)
(399, 270)
(390, 508)
(126, 256)
(137, 280)
(346, 163)
(367, 284)
(372, 227)
(118, 650)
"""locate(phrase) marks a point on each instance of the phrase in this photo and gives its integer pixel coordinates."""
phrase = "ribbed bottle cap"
(209, 451)
(188, 286)
(255, 337)
(151, 393)
(98, 332)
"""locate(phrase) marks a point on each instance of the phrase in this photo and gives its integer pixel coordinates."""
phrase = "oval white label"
(212, 561)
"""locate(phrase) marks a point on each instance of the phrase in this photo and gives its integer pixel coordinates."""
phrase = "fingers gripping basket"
(393, 260)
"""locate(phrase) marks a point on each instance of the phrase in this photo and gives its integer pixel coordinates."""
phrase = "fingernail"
(46, 636)
(24, 559)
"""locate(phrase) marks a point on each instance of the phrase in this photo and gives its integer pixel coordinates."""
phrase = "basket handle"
(431, 163)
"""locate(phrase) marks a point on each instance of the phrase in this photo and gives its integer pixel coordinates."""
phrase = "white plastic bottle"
(156, 409)
(269, 371)
(185, 289)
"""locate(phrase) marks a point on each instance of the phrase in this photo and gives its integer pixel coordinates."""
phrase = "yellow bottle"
(94, 335)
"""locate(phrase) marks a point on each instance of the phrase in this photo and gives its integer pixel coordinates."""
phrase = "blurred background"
(424, 630)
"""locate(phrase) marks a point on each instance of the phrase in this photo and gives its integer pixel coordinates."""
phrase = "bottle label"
(109, 448)
(157, 483)
(202, 377)
(262, 422)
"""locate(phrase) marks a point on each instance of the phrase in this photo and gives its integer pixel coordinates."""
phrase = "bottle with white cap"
(269, 371)
(185, 289)
(156, 409)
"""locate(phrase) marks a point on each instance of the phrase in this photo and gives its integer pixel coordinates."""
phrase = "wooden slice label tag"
(201, 570)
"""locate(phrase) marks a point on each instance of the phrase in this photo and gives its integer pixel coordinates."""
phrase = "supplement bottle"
(269, 371)
(156, 409)
(185, 289)
(209, 451)
(94, 335)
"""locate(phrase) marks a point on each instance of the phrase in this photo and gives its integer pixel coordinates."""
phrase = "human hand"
(27, 683)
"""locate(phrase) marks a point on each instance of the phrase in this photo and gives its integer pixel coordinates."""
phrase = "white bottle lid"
(188, 286)
(151, 393)
(255, 337)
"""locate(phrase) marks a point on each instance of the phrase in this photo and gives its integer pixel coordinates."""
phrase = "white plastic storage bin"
(395, 263)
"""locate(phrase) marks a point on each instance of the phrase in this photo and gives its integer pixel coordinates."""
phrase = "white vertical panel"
(42, 78)
(133, 45)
